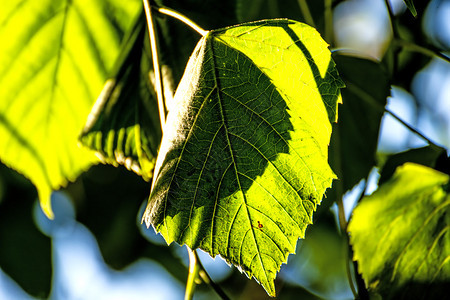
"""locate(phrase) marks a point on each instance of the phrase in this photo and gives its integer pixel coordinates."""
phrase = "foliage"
(44, 83)
(409, 241)
(234, 109)
(242, 165)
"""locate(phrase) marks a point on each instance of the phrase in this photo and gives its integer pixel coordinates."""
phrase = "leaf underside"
(123, 126)
(53, 61)
(243, 161)
(406, 255)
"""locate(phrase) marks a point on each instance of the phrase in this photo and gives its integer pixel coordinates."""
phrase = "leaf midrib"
(217, 86)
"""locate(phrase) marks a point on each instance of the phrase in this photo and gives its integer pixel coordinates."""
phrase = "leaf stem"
(197, 272)
(194, 269)
(182, 18)
(207, 279)
(341, 211)
(363, 293)
(396, 51)
(370, 100)
(328, 17)
(421, 49)
(412, 129)
(156, 65)
(339, 188)
(304, 8)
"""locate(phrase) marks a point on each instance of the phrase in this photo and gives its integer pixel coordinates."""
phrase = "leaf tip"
(45, 202)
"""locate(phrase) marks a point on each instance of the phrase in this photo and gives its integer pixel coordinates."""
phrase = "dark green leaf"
(123, 126)
(401, 238)
(426, 156)
(251, 10)
(243, 162)
(410, 5)
(354, 143)
(25, 253)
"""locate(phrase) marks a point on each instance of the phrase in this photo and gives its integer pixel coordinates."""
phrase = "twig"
(412, 129)
(184, 19)
(194, 269)
(396, 50)
(207, 279)
(156, 66)
(341, 210)
(370, 100)
(196, 272)
(428, 51)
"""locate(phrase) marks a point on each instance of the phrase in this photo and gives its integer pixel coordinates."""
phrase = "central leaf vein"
(232, 155)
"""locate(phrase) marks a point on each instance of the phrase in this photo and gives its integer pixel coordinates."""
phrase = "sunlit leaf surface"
(401, 238)
(54, 58)
(243, 161)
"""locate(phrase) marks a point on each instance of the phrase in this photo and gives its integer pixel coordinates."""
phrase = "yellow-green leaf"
(401, 238)
(243, 161)
(54, 59)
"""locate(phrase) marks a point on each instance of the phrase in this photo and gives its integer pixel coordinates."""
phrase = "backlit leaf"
(123, 126)
(53, 62)
(243, 161)
(401, 238)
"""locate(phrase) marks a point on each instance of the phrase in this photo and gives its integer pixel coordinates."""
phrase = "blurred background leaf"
(400, 235)
(355, 136)
(51, 69)
(24, 251)
(426, 156)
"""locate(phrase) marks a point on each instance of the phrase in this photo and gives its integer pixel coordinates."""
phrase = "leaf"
(24, 251)
(123, 126)
(243, 161)
(353, 145)
(400, 235)
(426, 156)
(51, 69)
(412, 9)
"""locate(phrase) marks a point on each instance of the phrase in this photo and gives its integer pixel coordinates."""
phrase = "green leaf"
(25, 253)
(243, 161)
(353, 145)
(52, 67)
(400, 235)
(123, 126)
(426, 156)
(412, 9)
